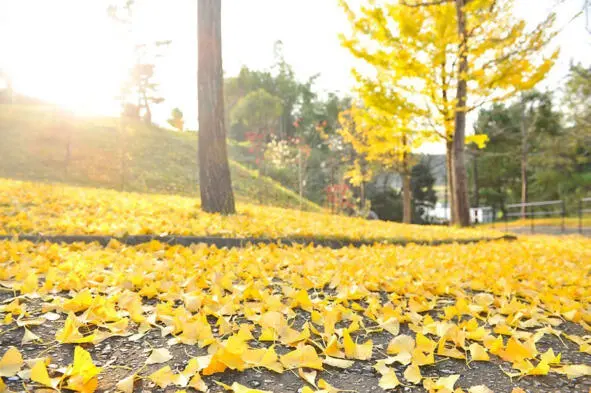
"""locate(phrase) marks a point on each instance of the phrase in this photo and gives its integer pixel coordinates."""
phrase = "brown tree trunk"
(406, 189)
(215, 182)
(406, 199)
(476, 185)
(449, 191)
(524, 152)
(461, 206)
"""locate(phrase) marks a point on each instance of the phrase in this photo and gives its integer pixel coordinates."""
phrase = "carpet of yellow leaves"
(315, 308)
(33, 208)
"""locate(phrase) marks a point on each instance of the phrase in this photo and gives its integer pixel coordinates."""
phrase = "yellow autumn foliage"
(459, 301)
(32, 208)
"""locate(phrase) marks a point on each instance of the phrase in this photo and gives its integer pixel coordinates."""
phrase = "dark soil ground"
(120, 357)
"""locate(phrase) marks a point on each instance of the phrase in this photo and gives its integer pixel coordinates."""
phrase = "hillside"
(40, 143)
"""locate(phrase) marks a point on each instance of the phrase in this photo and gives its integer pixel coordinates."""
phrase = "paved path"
(546, 230)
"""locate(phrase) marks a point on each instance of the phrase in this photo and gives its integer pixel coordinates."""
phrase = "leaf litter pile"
(489, 317)
(50, 209)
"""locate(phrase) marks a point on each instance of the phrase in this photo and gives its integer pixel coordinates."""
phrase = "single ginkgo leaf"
(163, 377)
(354, 350)
(339, 363)
(303, 356)
(3, 387)
(388, 379)
(550, 358)
(444, 383)
(39, 374)
(574, 370)
(413, 374)
(197, 383)
(392, 326)
(11, 362)
(82, 373)
(478, 353)
(159, 355)
(126, 384)
(29, 336)
(309, 377)
(400, 344)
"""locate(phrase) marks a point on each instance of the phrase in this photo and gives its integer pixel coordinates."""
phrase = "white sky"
(70, 52)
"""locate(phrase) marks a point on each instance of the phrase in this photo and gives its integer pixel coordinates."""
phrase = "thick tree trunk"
(449, 191)
(406, 188)
(215, 183)
(406, 199)
(461, 207)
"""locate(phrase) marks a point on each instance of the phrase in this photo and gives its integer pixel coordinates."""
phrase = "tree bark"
(215, 183)
(406, 188)
(524, 153)
(406, 199)
(476, 185)
(461, 205)
(449, 191)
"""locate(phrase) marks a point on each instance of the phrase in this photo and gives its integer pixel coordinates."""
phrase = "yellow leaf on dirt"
(516, 351)
(424, 343)
(388, 379)
(163, 377)
(413, 374)
(392, 326)
(11, 362)
(478, 353)
(303, 356)
(354, 350)
(197, 383)
(574, 370)
(80, 302)
(3, 387)
(159, 355)
(70, 334)
(81, 375)
(494, 345)
(332, 347)
(550, 358)
(29, 336)
(402, 343)
(126, 384)
(421, 358)
(30, 284)
(39, 374)
(441, 383)
(339, 363)
(309, 377)
(263, 357)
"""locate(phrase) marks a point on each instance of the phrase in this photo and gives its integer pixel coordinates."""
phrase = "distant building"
(442, 213)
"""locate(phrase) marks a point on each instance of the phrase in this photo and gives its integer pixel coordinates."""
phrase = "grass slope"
(103, 152)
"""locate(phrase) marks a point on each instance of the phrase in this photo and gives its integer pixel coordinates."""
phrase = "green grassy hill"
(40, 143)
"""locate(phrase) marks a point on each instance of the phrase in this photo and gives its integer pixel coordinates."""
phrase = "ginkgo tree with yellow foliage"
(380, 138)
(447, 57)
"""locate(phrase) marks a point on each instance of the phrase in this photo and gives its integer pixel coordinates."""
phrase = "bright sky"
(71, 53)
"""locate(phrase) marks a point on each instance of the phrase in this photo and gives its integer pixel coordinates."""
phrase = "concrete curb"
(223, 242)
